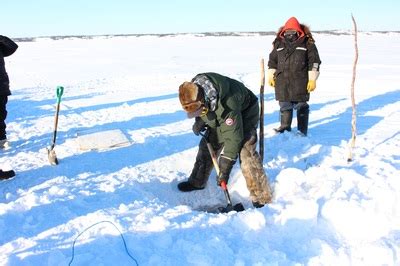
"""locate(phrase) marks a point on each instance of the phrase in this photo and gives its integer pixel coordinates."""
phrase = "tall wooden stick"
(262, 111)
(353, 102)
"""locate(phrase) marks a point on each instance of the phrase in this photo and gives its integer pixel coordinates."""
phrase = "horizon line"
(206, 33)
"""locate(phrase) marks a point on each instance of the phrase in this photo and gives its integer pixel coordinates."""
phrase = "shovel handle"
(226, 193)
(213, 157)
(223, 185)
(59, 92)
(215, 162)
(211, 151)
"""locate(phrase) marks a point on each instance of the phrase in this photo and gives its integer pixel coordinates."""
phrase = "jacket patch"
(280, 49)
(229, 122)
(301, 48)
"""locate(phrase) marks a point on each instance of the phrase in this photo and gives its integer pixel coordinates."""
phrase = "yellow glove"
(312, 80)
(271, 78)
(311, 85)
(271, 82)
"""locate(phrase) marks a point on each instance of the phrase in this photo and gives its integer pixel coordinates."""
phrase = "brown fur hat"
(190, 96)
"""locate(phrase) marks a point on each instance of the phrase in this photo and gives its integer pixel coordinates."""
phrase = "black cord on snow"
(122, 236)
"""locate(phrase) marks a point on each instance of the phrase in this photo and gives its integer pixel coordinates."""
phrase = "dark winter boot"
(4, 144)
(286, 121)
(187, 187)
(302, 120)
(6, 174)
(256, 204)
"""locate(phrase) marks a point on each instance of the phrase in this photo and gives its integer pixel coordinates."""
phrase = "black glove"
(198, 126)
(225, 167)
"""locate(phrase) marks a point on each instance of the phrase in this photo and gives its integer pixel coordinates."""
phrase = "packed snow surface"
(325, 211)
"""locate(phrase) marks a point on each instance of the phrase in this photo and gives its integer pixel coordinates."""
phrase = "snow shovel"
(50, 151)
(230, 207)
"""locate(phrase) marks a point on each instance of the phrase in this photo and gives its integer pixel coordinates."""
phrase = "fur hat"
(191, 98)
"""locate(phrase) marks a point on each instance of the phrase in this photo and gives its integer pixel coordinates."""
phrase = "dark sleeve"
(7, 46)
(273, 57)
(313, 57)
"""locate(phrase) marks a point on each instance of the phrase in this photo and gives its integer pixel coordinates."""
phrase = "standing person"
(293, 69)
(230, 111)
(7, 48)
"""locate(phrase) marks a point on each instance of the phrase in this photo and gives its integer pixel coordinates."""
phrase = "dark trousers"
(302, 109)
(287, 106)
(3, 116)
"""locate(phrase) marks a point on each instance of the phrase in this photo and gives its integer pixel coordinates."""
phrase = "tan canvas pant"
(253, 171)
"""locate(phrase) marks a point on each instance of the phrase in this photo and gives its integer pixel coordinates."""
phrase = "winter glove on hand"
(198, 126)
(225, 167)
(271, 77)
(312, 80)
(311, 85)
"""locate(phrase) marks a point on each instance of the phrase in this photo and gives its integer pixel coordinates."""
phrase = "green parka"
(236, 113)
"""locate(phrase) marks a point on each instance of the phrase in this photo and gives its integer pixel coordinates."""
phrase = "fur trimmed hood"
(293, 23)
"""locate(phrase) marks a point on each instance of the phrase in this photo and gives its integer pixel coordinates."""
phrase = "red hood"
(292, 24)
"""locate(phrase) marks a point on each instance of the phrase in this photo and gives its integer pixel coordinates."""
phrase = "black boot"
(302, 120)
(6, 174)
(187, 187)
(286, 121)
(256, 204)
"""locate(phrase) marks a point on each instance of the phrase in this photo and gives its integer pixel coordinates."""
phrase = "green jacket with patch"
(236, 113)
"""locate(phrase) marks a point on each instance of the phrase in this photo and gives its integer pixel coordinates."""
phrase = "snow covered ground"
(326, 211)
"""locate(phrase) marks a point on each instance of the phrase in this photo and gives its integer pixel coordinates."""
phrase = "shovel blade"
(52, 157)
(237, 208)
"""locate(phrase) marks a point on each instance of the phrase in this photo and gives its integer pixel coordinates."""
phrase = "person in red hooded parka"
(293, 68)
